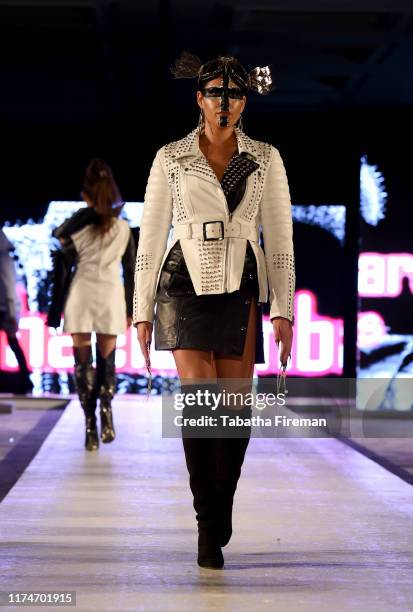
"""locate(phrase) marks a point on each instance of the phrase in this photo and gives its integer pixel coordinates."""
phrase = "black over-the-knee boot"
(86, 389)
(14, 344)
(200, 461)
(106, 386)
(230, 453)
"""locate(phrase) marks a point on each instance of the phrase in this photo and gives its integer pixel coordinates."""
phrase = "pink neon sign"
(317, 345)
(381, 275)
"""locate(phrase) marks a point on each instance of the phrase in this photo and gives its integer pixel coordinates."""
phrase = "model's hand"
(144, 338)
(128, 322)
(283, 332)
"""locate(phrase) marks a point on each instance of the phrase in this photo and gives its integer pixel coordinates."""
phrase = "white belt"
(215, 230)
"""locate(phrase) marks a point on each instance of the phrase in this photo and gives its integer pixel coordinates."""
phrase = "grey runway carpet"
(317, 525)
(21, 435)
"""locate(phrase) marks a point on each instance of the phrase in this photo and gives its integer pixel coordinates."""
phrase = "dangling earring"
(201, 121)
(240, 125)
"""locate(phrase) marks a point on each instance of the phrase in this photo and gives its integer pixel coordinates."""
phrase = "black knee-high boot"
(19, 354)
(21, 360)
(200, 461)
(230, 453)
(86, 389)
(106, 386)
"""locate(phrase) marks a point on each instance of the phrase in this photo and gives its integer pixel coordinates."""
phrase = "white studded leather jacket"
(184, 192)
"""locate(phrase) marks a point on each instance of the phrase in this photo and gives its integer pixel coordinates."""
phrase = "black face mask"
(228, 71)
(225, 93)
(218, 92)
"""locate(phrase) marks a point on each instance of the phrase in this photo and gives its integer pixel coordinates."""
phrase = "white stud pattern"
(200, 165)
(258, 177)
(173, 176)
(285, 261)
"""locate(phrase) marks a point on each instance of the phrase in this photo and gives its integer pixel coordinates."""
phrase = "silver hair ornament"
(261, 80)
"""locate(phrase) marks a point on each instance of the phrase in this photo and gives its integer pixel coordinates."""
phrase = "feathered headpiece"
(189, 66)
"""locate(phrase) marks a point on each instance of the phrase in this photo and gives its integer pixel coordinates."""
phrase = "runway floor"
(317, 525)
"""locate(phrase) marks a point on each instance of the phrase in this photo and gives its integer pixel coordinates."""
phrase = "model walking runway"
(117, 526)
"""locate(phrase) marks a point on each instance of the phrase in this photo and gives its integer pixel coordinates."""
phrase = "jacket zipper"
(226, 266)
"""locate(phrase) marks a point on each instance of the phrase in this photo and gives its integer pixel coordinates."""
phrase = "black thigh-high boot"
(21, 360)
(106, 386)
(86, 389)
(200, 461)
(230, 453)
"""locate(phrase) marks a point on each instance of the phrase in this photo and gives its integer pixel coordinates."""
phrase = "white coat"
(183, 191)
(10, 303)
(96, 300)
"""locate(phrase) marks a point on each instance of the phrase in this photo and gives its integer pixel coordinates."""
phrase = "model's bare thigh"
(235, 374)
(194, 364)
(82, 340)
(229, 366)
(105, 343)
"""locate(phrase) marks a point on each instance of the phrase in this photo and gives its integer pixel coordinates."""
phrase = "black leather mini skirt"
(214, 322)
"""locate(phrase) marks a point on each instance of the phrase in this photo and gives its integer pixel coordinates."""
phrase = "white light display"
(331, 217)
(373, 197)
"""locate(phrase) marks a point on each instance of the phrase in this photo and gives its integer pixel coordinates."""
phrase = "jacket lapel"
(200, 167)
(194, 161)
(238, 169)
(246, 145)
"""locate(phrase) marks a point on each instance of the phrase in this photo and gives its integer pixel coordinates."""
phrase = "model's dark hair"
(213, 68)
(103, 192)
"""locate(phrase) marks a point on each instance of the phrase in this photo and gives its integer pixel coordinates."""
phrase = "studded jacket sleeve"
(276, 222)
(154, 231)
